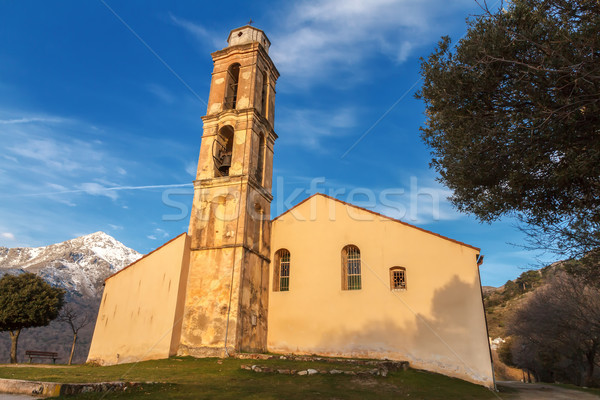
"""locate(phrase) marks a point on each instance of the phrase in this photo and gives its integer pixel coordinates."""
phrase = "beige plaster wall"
(436, 324)
(142, 307)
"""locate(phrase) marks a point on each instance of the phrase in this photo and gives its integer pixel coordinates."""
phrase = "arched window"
(398, 278)
(261, 159)
(223, 151)
(351, 279)
(281, 276)
(233, 76)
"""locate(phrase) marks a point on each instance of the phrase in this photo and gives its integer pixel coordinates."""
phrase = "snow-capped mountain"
(79, 265)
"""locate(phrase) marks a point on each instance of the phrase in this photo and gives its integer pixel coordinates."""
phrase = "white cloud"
(10, 158)
(200, 33)
(160, 233)
(311, 125)
(152, 237)
(96, 189)
(161, 93)
(121, 171)
(329, 41)
(28, 120)
(190, 168)
(47, 151)
(115, 227)
(7, 235)
(327, 36)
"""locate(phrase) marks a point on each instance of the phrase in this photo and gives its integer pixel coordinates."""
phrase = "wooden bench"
(42, 354)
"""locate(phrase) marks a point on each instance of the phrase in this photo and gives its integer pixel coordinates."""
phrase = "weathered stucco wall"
(436, 324)
(142, 307)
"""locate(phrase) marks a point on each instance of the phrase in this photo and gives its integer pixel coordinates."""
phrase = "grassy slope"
(188, 378)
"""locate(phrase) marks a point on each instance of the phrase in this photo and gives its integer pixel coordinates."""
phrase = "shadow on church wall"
(450, 338)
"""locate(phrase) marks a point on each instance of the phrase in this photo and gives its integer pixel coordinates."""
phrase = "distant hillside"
(79, 266)
(500, 303)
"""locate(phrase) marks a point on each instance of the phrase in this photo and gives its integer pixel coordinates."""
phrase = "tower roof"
(248, 34)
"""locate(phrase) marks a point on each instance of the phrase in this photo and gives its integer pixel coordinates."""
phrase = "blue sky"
(100, 115)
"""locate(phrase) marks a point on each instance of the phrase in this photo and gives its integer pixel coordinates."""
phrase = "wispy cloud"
(157, 234)
(161, 93)
(7, 235)
(199, 32)
(96, 189)
(190, 168)
(319, 38)
(314, 125)
(28, 120)
(161, 233)
(49, 152)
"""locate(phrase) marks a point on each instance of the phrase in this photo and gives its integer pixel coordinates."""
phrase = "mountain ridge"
(79, 266)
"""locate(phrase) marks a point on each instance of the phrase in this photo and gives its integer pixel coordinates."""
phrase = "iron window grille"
(351, 268)
(398, 278)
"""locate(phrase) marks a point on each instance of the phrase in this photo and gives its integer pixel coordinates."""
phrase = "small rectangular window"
(398, 278)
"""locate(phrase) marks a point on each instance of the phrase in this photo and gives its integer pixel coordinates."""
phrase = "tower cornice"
(247, 48)
(222, 116)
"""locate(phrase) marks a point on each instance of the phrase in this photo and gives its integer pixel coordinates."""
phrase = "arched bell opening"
(223, 151)
(233, 76)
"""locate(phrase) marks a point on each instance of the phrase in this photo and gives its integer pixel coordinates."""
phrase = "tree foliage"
(26, 301)
(513, 118)
(526, 282)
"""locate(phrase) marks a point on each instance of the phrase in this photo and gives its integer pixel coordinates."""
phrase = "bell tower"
(227, 290)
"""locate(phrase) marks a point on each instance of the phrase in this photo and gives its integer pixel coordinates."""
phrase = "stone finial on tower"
(248, 34)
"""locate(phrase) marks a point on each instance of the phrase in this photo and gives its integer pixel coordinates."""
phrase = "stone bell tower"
(227, 291)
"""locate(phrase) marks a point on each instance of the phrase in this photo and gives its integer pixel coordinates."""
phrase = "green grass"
(190, 378)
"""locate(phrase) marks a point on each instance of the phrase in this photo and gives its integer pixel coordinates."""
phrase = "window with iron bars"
(284, 274)
(281, 278)
(351, 271)
(398, 278)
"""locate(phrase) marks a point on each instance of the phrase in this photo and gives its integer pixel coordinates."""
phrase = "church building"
(325, 277)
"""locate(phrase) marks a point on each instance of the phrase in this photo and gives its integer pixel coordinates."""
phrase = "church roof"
(377, 214)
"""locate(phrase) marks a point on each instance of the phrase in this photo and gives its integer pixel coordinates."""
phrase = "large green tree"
(26, 301)
(513, 119)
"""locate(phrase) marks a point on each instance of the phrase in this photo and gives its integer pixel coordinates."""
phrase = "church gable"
(326, 208)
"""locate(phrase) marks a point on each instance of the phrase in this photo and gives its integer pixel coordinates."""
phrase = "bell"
(225, 163)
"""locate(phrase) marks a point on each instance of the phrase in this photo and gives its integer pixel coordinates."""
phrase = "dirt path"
(540, 391)
(38, 366)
